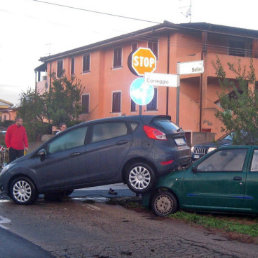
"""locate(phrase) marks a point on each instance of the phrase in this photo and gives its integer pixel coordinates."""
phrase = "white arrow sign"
(162, 79)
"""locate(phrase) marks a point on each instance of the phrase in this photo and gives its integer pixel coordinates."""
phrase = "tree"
(239, 104)
(31, 110)
(60, 105)
(63, 101)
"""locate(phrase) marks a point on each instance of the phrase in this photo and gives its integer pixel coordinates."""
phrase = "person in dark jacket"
(16, 140)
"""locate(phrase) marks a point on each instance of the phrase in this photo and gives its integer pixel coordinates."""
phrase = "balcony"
(225, 59)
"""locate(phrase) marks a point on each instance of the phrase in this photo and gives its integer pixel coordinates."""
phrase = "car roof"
(144, 118)
(238, 147)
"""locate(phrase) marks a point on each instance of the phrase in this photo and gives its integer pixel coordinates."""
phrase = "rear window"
(165, 124)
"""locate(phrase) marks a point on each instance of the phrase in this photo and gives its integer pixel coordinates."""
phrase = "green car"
(224, 180)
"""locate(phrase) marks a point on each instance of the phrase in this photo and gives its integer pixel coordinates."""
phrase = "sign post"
(141, 93)
(162, 79)
(193, 67)
(140, 62)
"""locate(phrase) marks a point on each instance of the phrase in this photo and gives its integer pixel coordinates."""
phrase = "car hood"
(214, 144)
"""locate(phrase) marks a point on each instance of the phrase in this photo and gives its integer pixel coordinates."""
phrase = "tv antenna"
(187, 10)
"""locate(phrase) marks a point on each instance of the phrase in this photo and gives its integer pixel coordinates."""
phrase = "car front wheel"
(23, 191)
(164, 203)
(140, 177)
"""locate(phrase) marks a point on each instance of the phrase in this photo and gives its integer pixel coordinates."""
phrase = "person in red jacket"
(16, 140)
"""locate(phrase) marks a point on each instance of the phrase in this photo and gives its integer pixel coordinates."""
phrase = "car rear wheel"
(23, 191)
(164, 203)
(140, 177)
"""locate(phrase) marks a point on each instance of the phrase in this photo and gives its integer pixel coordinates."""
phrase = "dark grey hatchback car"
(130, 149)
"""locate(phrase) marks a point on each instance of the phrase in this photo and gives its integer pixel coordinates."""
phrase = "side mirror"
(42, 154)
(194, 169)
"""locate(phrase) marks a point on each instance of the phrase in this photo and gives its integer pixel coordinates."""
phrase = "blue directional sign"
(140, 92)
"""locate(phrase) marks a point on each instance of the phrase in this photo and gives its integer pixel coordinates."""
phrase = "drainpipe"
(168, 59)
(50, 78)
(203, 54)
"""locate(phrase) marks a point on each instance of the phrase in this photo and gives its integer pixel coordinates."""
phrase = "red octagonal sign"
(143, 61)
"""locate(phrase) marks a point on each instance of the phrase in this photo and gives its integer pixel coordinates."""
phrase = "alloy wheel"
(139, 177)
(22, 191)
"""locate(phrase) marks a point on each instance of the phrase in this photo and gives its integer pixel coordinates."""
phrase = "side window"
(254, 165)
(59, 68)
(71, 139)
(117, 61)
(224, 160)
(107, 131)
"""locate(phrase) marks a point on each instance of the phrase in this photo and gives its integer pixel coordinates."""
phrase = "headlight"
(211, 149)
(192, 149)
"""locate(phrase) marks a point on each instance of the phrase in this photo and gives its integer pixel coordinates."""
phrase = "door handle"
(121, 142)
(75, 154)
(237, 178)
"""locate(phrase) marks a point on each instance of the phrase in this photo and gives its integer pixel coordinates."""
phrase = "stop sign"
(143, 61)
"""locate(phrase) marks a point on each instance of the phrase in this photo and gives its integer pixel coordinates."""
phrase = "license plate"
(196, 156)
(180, 141)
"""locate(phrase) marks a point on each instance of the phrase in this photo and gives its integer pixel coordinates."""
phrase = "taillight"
(154, 133)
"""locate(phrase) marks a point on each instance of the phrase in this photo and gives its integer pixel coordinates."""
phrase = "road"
(77, 228)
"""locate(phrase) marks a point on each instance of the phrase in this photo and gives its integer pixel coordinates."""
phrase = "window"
(60, 68)
(254, 166)
(134, 46)
(85, 103)
(153, 104)
(117, 62)
(165, 124)
(71, 139)
(153, 45)
(133, 106)
(107, 131)
(116, 102)
(224, 160)
(236, 48)
(72, 66)
(86, 63)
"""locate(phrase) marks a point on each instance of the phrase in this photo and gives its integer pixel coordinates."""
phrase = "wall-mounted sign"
(142, 61)
(190, 67)
(162, 79)
(140, 92)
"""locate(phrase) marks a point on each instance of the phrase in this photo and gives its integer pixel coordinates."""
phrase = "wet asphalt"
(86, 226)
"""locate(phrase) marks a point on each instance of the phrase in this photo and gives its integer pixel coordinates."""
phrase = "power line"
(98, 12)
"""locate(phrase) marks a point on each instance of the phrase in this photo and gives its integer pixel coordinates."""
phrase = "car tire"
(164, 203)
(140, 177)
(23, 191)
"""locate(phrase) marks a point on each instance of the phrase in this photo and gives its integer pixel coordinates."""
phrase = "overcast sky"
(30, 29)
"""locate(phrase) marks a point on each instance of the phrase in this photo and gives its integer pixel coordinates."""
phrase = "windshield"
(227, 137)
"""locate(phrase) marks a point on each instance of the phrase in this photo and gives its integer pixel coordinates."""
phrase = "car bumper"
(179, 160)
